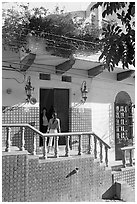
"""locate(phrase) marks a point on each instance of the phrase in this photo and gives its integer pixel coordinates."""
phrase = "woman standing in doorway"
(44, 120)
(53, 127)
(43, 124)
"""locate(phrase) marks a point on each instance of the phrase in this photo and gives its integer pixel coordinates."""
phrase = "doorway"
(59, 99)
(123, 123)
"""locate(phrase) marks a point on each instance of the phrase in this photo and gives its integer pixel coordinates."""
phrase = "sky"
(51, 4)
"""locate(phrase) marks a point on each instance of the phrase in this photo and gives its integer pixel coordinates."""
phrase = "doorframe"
(69, 97)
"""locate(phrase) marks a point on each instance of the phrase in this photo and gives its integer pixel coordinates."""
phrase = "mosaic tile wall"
(26, 178)
(127, 175)
(14, 177)
(79, 120)
(20, 115)
(54, 181)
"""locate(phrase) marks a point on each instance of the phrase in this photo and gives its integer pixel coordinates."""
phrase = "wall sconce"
(29, 89)
(9, 91)
(84, 91)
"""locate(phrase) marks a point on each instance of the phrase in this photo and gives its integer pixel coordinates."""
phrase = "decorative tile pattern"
(80, 121)
(56, 180)
(21, 116)
(127, 175)
(14, 178)
(26, 178)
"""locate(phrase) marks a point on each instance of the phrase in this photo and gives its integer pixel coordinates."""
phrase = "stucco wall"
(102, 91)
(102, 97)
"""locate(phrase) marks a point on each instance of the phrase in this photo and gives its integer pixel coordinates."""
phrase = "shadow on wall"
(28, 136)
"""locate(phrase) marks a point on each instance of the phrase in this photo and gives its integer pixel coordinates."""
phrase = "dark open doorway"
(59, 99)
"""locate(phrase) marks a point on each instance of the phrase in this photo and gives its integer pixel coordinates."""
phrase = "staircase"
(64, 174)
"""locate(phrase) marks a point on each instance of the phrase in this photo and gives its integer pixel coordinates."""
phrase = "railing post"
(7, 149)
(101, 155)
(45, 147)
(90, 148)
(131, 157)
(34, 145)
(80, 145)
(56, 150)
(22, 139)
(124, 158)
(70, 142)
(67, 148)
(106, 156)
(95, 147)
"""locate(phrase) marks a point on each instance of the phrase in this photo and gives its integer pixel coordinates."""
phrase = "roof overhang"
(27, 61)
(124, 75)
(95, 71)
(65, 66)
(61, 65)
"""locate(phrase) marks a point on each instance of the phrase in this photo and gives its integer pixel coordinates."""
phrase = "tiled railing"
(96, 147)
(124, 150)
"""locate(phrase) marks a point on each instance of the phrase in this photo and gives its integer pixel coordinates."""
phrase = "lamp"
(84, 91)
(29, 89)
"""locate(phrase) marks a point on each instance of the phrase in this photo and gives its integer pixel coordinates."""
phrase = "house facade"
(108, 110)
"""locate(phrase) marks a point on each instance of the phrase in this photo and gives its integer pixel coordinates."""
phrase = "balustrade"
(34, 145)
(92, 148)
(95, 148)
(7, 149)
(56, 150)
(101, 155)
(106, 156)
(67, 148)
(45, 147)
(124, 151)
(22, 139)
(80, 145)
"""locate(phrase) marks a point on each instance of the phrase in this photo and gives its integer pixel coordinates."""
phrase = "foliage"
(62, 33)
(118, 41)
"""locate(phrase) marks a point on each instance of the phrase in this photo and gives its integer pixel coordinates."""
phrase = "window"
(66, 78)
(44, 76)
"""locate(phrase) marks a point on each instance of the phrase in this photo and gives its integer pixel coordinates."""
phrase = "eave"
(27, 62)
(95, 71)
(124, 75)
(65, 66)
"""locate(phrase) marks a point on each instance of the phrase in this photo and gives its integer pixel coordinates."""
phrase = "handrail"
(23, 125)
(101, 140)
(56, 136)
(128, 148)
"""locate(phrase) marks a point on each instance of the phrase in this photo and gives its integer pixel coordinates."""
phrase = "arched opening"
(123, 122)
